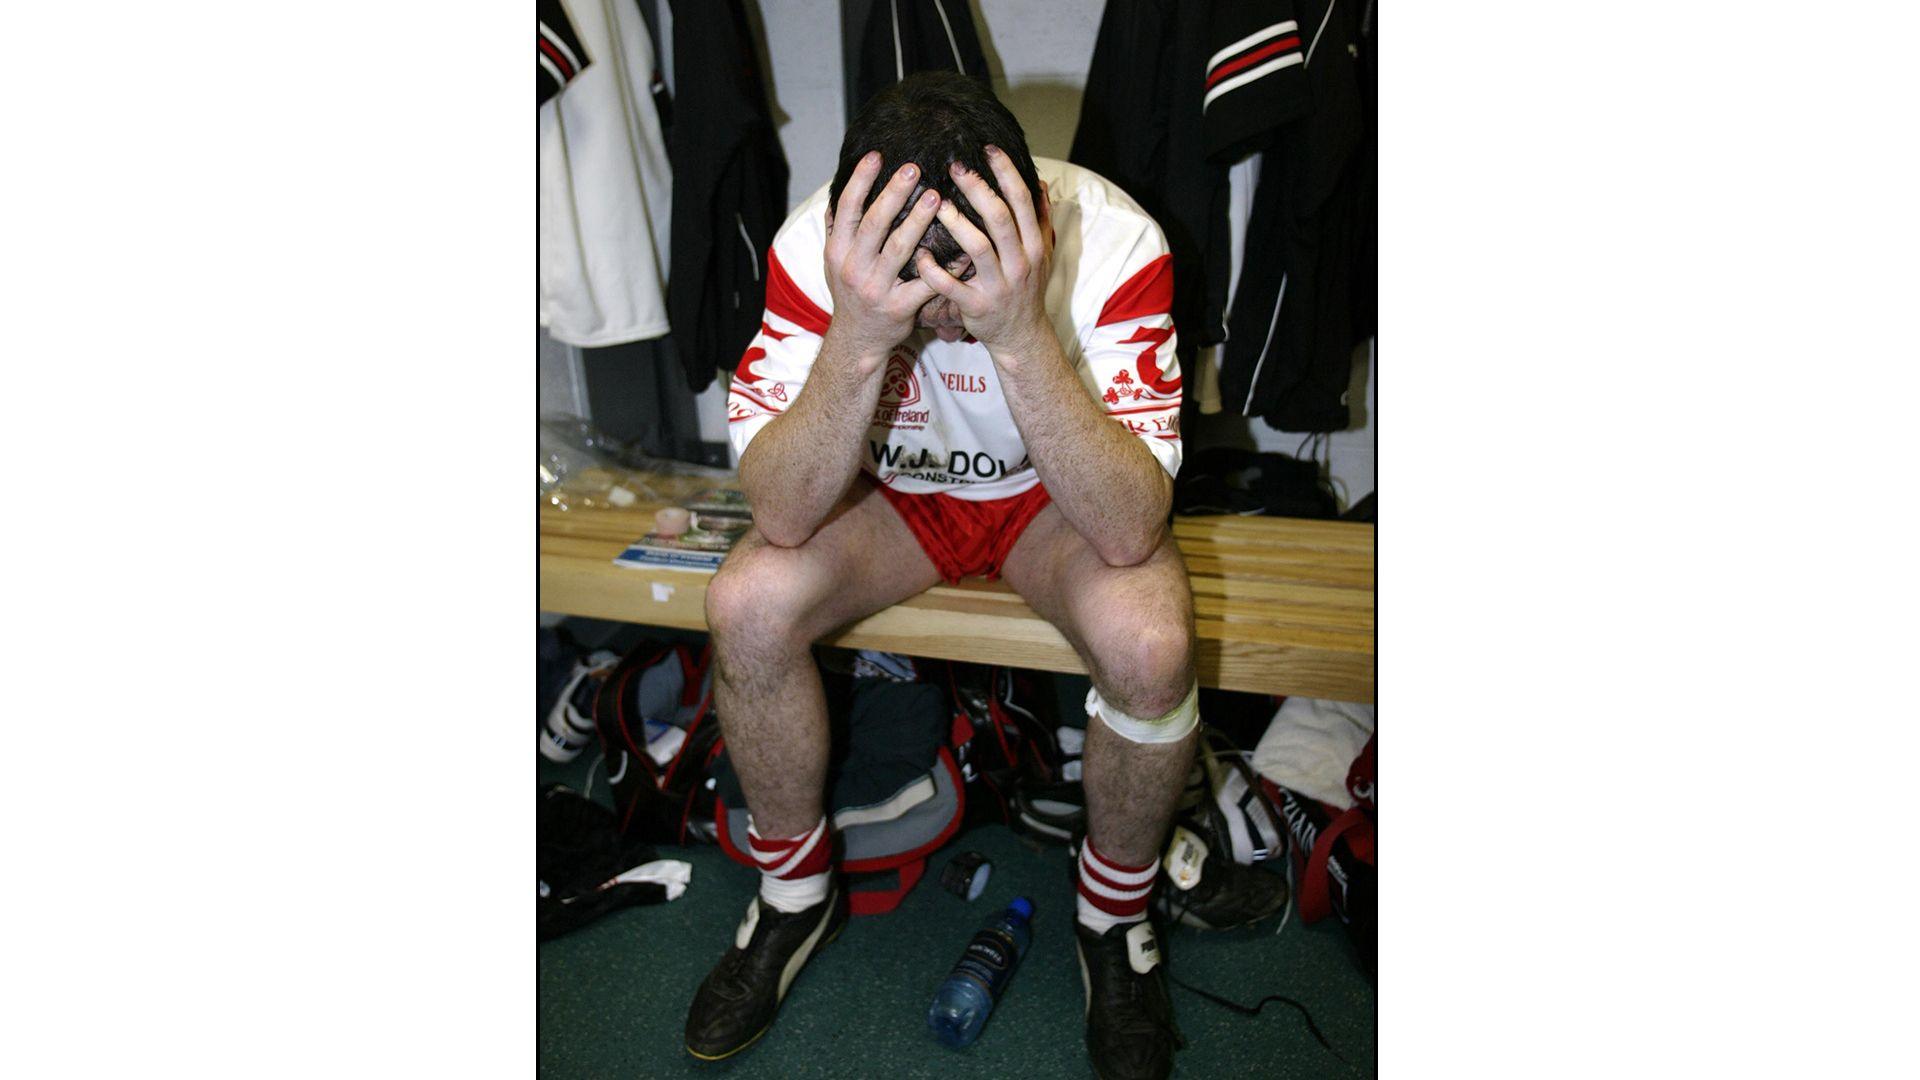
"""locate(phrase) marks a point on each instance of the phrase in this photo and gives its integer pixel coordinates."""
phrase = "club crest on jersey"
(899, 387)
(899, 390)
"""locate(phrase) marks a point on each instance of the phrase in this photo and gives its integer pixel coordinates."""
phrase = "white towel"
(1311, 744)
(672, 873)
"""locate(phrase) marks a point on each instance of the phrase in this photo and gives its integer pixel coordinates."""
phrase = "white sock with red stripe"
(1112, 893)
(793, 871)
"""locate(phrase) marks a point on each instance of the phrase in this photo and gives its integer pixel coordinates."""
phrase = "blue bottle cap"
(1022, 905)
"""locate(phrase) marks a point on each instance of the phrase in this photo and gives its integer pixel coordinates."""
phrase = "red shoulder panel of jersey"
(785, 299)
(1148, 292)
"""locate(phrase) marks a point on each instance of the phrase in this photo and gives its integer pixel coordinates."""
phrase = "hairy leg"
(765, 608)
(1133, 628)
(1131, 791)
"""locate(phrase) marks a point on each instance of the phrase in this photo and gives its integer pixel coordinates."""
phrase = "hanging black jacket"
(1176, 93)
(729, 188)
(905, 36)
(1366, 233)
(1289, 353)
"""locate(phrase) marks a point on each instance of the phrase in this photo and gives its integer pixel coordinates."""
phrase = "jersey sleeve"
(1255, 77)
(557, 50)
(775, 365)
(1130, 351)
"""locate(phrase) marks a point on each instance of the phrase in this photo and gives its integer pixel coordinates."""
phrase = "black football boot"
(1201, 886)
(737, 1002)
(1130, 1030)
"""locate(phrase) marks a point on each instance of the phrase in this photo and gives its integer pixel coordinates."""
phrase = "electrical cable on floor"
(1254, 1010)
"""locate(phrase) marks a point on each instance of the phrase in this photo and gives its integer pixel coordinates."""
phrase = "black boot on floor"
(1226, 896)
(1130, 1032)
(737, 1002)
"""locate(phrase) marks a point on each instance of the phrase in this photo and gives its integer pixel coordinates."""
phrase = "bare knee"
(1161, 656)
(755, 606)
(1147, 668)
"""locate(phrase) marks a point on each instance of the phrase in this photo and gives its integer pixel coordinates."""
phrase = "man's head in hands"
(930, 121)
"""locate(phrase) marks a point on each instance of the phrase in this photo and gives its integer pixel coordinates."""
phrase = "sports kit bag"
(1333, 851)
(1004, 740)
(926, 750)
(918, 752)
(654, 715)
(895, 792)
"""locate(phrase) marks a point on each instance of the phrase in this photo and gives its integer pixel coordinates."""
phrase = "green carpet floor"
(613, 996)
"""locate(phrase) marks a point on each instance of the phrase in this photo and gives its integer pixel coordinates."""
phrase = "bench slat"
(1281, 605)
(1234, 656)
(1204, 559)
(1303, 606)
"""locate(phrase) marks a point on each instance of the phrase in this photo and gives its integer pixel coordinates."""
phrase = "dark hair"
(931, 119)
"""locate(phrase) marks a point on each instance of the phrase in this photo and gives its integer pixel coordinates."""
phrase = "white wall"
(1039, 64)
(801, 61)
(1038, 71)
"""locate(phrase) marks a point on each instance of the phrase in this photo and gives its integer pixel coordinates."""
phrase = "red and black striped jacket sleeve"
(558, 50)
(1254, 77)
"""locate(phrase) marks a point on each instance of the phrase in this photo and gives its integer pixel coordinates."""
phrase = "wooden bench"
(1281, 606)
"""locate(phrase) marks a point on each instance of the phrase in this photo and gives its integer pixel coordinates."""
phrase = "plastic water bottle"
(960, 1008)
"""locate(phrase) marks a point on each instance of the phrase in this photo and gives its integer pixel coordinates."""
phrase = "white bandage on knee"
(1177, 724)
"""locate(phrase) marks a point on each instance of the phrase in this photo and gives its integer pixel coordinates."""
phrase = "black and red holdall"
(930, 750)
(894, 788)
(1003, 739)
(657, 727)
(1333, 855)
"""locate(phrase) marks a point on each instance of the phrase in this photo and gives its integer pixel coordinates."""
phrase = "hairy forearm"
(1104, 479)
(796, 470)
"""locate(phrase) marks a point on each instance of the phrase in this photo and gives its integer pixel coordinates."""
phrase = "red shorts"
(963, 538)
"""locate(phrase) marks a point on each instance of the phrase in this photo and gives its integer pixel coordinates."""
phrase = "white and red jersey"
(942, 424)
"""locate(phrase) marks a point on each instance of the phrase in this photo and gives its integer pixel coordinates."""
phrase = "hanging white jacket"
(606, 191)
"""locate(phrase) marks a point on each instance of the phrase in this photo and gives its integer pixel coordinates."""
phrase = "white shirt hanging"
(606, 190)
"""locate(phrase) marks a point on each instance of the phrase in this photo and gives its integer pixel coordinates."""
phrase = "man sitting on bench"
(966, 368)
